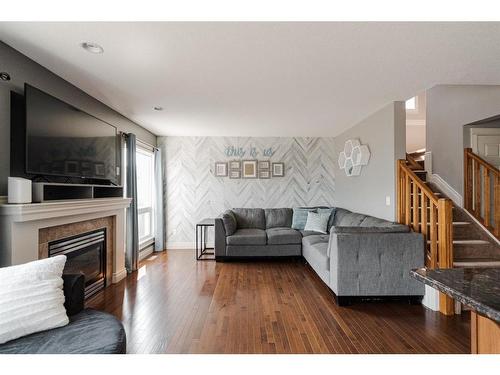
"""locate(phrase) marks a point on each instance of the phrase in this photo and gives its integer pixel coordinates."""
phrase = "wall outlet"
(387, 200)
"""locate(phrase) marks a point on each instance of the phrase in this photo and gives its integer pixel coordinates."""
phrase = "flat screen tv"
(62, 140)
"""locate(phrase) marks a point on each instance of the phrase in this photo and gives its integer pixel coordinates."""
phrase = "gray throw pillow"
(317, 222)
(331, 211)
(299, 217)
(229, 221)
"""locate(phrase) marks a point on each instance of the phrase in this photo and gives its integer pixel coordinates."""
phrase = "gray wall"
(192, 192)
(384, 133)
(22, 69)
(449, 108)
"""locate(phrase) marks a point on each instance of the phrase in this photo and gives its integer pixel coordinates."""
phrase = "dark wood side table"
(202, 251)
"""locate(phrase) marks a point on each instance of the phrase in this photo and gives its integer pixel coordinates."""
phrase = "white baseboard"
(431, 298)
(146, 252)
(447, 189)
(190, 245)
(118, 276)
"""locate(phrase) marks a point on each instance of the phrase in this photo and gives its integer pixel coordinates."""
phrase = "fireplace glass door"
(86, 253)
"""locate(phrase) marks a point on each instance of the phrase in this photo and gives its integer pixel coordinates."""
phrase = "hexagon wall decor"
(354, 156)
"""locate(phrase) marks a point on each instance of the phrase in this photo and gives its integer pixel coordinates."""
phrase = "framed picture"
(99, 169)
(249, 168)
(235, 164)
(86, 168)
(264, 174)
(220, 169)
(235, 173)
(278, 169)
(71, 167)
(264, 165)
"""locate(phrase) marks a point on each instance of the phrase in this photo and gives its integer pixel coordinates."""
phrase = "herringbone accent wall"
(192, 192)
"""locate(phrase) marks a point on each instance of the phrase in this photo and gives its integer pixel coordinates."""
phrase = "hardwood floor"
(175, 304)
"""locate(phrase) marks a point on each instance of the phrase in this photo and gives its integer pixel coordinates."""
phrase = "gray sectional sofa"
(360, 256)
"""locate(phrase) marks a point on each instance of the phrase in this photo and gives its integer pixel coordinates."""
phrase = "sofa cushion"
(306, 233)
(248, 236)
(370, 221)
(283, 236)
(229, 221)
(314, 239)
(250, 218)
(344, 218)
(317, 222)
(315, 251)
(88, 332)
(278, 217)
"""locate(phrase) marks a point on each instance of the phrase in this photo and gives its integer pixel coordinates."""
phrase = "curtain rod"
(141, 142)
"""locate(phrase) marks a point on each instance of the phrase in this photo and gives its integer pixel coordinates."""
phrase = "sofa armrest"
(74, 293)
(220, 238)
(375, 264)
(395, 228)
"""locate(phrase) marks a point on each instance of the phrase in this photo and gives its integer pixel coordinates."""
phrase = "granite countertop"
(478, 288)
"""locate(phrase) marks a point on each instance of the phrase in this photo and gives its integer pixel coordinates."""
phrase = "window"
(145, 195)
(411, 103)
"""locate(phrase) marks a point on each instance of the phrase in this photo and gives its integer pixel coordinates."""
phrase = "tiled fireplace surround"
(46, 235)
(26, 229)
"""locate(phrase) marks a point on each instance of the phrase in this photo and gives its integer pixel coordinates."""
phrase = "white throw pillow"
(317, 222)
(32, 298)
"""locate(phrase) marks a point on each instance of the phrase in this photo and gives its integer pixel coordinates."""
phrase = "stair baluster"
(478, 178)
(425, 213)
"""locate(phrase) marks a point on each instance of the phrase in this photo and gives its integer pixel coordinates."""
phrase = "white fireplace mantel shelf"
(20, 225)
(49, 210)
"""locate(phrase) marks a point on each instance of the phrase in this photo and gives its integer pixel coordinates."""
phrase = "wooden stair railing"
(424, 212)
(480, 179)
(412, 162)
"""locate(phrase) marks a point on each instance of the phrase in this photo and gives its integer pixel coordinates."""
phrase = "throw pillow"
(317, 222)
(331, 212)
(229, 221)
(32, 298)
(299, 217)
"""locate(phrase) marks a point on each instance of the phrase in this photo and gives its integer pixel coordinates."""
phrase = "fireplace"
(86, 253)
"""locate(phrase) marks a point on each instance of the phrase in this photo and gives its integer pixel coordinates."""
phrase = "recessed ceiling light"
(92, 47)
(158, 108)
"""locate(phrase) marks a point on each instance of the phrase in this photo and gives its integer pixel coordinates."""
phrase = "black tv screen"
(62, 140)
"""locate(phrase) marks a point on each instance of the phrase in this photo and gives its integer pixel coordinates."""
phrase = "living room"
(253, 187)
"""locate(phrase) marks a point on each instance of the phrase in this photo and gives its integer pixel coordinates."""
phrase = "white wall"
(449, 108)
(384, 133)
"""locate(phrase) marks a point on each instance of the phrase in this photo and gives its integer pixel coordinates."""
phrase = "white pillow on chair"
(32, 298)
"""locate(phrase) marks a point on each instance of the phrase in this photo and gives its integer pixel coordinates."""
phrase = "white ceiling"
(259, 79)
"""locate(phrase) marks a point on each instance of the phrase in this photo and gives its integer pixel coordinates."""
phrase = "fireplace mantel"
(20, 225)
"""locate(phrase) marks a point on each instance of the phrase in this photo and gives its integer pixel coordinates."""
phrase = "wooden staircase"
(453, 238)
